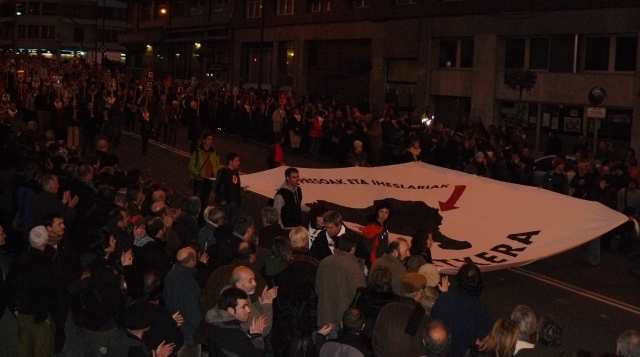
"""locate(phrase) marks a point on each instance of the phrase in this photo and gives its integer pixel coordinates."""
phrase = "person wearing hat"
(397, 331)
(461, 310)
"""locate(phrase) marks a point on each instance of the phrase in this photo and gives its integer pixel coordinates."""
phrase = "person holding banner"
(288, 200)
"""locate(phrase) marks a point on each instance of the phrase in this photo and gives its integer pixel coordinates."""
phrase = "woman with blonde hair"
(501, 342)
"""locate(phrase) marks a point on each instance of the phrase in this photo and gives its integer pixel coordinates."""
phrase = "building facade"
(454, 57)
(181, 38)
(85, 28)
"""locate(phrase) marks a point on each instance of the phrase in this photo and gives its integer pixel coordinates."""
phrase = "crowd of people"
(97, 260)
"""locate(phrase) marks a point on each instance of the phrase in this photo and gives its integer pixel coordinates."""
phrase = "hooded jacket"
(226, 337)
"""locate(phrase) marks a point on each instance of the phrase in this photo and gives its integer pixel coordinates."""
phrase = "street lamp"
(163, 11)
(197, 45)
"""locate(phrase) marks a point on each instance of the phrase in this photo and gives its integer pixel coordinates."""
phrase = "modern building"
(458, 58)
(181, 38)
(65, 28)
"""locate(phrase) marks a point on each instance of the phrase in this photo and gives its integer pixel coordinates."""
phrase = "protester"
(204, 164)
(288, 199)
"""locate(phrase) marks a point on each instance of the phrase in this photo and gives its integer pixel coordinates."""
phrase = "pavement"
(592, 304)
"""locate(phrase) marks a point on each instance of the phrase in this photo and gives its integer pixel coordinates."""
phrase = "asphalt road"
(592, 304)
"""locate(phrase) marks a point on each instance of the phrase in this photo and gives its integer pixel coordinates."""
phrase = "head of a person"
(38, 238)
(243, 278)
(380, 279)
(527, 322)
(215, 215)
(3, 236)
(233, 161)
(437, 341)
(55, 228)
(292, 177)
(413, 285)
(50, 183)
(347, 244)
(400, 248)
(138, 317)
(299, 239)
(187, 257)
(358, 147)
(549, 333)
(159, 195)
(269, 216)
(244, 228)
(236, 303)
(332, 223)
(85, 173)
(470, 279)
(502, 339)
(102, 145)
(353, 321)
(158, 208)
(383, 211)
(192, 206)
(628, 344)
(316, 214)
(155, 227)
(207, 141)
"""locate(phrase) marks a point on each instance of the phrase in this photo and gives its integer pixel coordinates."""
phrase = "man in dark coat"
(228, 190)
(295, 309)
(46, 203)
(461, 311)
(182, 294)
(324, 245)
(227, 337)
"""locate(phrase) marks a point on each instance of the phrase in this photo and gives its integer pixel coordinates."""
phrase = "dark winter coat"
(227, 338)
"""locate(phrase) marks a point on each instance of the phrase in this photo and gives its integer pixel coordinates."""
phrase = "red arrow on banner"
(450, 204)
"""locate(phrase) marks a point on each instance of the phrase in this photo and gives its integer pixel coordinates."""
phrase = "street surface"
(592, 304)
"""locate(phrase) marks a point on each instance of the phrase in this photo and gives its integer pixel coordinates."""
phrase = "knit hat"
(138, 316)
(413, 282)
(431, 273)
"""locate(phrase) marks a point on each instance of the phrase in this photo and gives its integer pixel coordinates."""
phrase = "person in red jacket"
(376, 231)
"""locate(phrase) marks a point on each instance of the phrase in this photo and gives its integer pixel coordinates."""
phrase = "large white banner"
(495, 224)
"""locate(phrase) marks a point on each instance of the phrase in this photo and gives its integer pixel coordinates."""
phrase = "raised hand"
(326, 329)
(444, 284)
(164, 349)
(177, 317)
(258, 325)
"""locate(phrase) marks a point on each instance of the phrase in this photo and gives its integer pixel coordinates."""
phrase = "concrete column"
(376, 76)
(485, 77)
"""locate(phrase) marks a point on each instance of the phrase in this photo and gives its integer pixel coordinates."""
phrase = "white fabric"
(491, 215)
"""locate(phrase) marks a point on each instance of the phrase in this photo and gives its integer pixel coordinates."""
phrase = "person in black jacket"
(228, 191)
(226, 336)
